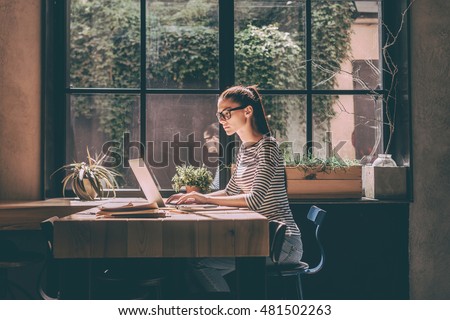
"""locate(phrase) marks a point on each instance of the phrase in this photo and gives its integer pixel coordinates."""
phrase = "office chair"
(49, 290)
(112, 282)
(11, 258)
(119, 281)
(279, 271)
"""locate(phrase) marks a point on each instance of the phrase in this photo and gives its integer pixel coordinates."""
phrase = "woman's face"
(231, 121)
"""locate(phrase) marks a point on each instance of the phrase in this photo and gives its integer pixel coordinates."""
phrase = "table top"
(229, 233)
(26, 215)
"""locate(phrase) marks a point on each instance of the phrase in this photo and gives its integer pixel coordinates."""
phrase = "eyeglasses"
(226, 114)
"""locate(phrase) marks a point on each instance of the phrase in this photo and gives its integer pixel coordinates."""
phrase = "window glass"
(177, 126)
(286, 117)
(345, 31)
(103, 122)
(269, 44)
(104, 45)
(181, 52)
(183, 44)
(351, 123)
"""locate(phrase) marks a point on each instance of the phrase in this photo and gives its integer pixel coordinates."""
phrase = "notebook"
(148, 184)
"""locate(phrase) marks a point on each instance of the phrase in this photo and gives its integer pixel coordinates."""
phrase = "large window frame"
(56, 88)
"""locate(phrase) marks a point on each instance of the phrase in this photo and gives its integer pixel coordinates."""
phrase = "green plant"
(333, 163)
(98, 176)
(183, 53)
(192, 176)
(104, 53)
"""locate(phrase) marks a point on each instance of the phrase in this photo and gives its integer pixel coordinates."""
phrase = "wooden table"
(26, 215)
(235, 233)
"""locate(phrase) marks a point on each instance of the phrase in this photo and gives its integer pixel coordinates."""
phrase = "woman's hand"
(193, 197)
(174, 197)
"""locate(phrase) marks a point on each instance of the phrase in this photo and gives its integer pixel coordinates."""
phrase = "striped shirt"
(260, 176)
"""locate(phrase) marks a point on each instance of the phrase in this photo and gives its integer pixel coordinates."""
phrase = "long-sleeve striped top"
(260, 176)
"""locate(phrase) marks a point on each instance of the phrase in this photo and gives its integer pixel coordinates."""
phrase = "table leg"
(251, 278)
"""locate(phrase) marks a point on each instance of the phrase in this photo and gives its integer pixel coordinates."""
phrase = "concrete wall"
(20, 94)
(429, 214)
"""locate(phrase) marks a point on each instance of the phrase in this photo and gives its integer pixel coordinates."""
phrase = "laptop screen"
(146, 181)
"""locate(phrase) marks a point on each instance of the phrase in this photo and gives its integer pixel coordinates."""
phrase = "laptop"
(149, 186)
(146, 181)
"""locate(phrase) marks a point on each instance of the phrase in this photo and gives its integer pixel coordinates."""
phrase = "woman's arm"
(231, 201)
(217, 193)
(176, 197)
(220, 200)
(232, 187)
(231, 196)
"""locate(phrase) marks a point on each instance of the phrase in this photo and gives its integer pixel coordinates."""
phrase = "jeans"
(209, 272)
(292, 250)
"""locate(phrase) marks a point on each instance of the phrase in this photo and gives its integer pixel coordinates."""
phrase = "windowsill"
(362, 200)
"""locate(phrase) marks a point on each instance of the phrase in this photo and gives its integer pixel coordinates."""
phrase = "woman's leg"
(210, 272)
(292, 250)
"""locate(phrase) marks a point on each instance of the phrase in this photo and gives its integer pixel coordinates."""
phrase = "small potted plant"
(194, 179)
(91, 178)
(332, 177)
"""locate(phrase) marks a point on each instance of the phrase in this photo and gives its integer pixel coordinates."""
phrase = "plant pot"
(192, 189)
(341, 183)
(385, 182)
(87, 194)
(384, 160)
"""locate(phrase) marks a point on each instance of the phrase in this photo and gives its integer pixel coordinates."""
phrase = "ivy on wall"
(105, 53)
(183, 52)
(267, 56)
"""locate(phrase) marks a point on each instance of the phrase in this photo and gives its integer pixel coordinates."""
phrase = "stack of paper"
(131, 210)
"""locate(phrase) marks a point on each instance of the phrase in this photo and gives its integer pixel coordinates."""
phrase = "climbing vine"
(183, 53)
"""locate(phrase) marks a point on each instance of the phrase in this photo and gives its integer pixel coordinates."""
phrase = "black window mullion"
(103, 91)
(62, 82)
(143, 83)
(54, 95)
(182, 91)
(226, 44)
(226, 76)
(320, 92)
(308, 52)
(385, 76)
(66, 42)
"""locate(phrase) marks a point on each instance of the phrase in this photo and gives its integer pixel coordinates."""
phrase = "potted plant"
(194, 179)
(90, 179)
(311, 177)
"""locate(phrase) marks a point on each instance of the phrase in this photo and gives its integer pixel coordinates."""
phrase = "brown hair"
(249, 96)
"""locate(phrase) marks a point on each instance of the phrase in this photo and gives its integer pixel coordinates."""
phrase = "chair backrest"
(317, 216)
(277, 231)
(47, 227)
(51, 267)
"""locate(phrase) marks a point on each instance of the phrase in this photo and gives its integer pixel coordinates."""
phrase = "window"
(142, 77)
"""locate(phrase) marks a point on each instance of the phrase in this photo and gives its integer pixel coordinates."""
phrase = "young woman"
(257, 183)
